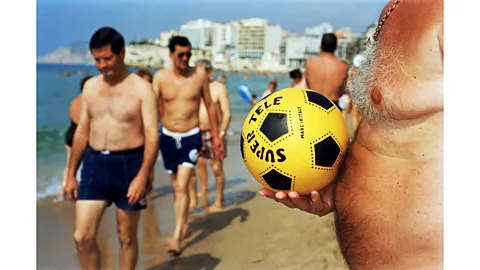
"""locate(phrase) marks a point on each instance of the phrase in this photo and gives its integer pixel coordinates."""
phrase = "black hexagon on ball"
(277, 180)
(275, 125)
(326, 152)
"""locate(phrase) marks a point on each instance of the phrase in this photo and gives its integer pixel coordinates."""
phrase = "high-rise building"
(199, 33)
(251, 38)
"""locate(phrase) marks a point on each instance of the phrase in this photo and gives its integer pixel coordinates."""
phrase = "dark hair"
(107, 36)
(83, 81)
(144, 71)
(178, 41)
(274, 83)
(329, 42)
(254, 95)
(296, 73)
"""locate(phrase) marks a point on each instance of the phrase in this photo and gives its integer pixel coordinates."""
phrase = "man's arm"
(149, 112)
(212, 113)
(224, 101)
(306, 75)
(157, 90)
(80, 138)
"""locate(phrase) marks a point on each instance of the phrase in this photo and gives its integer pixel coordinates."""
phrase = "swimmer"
(297, 79)
(179, 91)
(219, 96)
(272, 87)
(74, 114)
(254, 99)
(117, 135)
(145, 73)
(326, 74)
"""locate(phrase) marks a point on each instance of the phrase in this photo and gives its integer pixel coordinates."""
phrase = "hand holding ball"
(294, 139)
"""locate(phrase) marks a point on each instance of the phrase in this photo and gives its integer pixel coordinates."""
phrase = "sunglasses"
(181, 55)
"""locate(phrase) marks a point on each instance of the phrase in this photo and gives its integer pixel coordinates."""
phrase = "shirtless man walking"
(118, 134)
(219, 94)
(179, 92)
(388, 198)
(325, 73)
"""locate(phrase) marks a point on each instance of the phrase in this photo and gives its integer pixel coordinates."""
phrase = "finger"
(300, 202)
(69, 195)
(75, 193)
(283, 198)
(131, 200)
(265, 192)
(316, 202)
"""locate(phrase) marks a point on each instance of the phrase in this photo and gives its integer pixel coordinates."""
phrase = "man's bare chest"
(123, 107)
(184, 90)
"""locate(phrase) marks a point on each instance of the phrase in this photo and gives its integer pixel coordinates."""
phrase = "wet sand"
(251, 233)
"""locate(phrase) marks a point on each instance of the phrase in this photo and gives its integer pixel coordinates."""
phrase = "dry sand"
(252, 232)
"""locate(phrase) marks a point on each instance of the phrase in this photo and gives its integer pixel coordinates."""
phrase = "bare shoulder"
(343, 65)
(222, 88)
(141, 86)
(91, 85)
(309, 62)
(161, 74)
(200, 70)
(217, 89)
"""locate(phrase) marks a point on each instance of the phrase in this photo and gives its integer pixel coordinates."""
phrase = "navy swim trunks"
(106, 176)
(180, 148)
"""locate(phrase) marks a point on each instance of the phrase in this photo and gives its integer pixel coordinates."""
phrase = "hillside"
(76, 53)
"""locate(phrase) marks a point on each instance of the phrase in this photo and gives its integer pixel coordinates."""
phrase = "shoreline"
(227, 71)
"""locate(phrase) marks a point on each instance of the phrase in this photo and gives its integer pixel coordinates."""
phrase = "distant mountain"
(76, 53)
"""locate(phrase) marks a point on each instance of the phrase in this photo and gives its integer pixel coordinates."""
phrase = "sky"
(63, 22)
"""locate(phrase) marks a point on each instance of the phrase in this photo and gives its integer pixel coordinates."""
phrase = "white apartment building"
(251, 38)
(299, 48)
(223, 37)
(347, 44)
(273, 38)
(198, 32)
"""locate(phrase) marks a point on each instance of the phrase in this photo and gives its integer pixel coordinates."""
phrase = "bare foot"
(185, 232)
(215, 209)
(193, 206)
(201, 194)
(174, 248)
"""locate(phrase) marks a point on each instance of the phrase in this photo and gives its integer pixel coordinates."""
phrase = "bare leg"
(192, 192)
(217, 168)
(181, 200)
(127, 227)
(87, 218)
(202, 174)
(151, 179)
(64, 174)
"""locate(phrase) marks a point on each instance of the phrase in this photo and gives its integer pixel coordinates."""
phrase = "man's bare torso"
(114, 114)
(326, 75)
(215, 88)
(179, 100)
(389, 198)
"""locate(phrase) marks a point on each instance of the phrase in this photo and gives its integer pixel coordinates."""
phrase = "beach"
(251, 233)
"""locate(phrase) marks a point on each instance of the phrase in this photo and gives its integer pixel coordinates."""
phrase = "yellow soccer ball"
(294, 139)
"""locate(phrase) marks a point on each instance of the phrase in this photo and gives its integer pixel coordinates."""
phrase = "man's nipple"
(376, 96)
